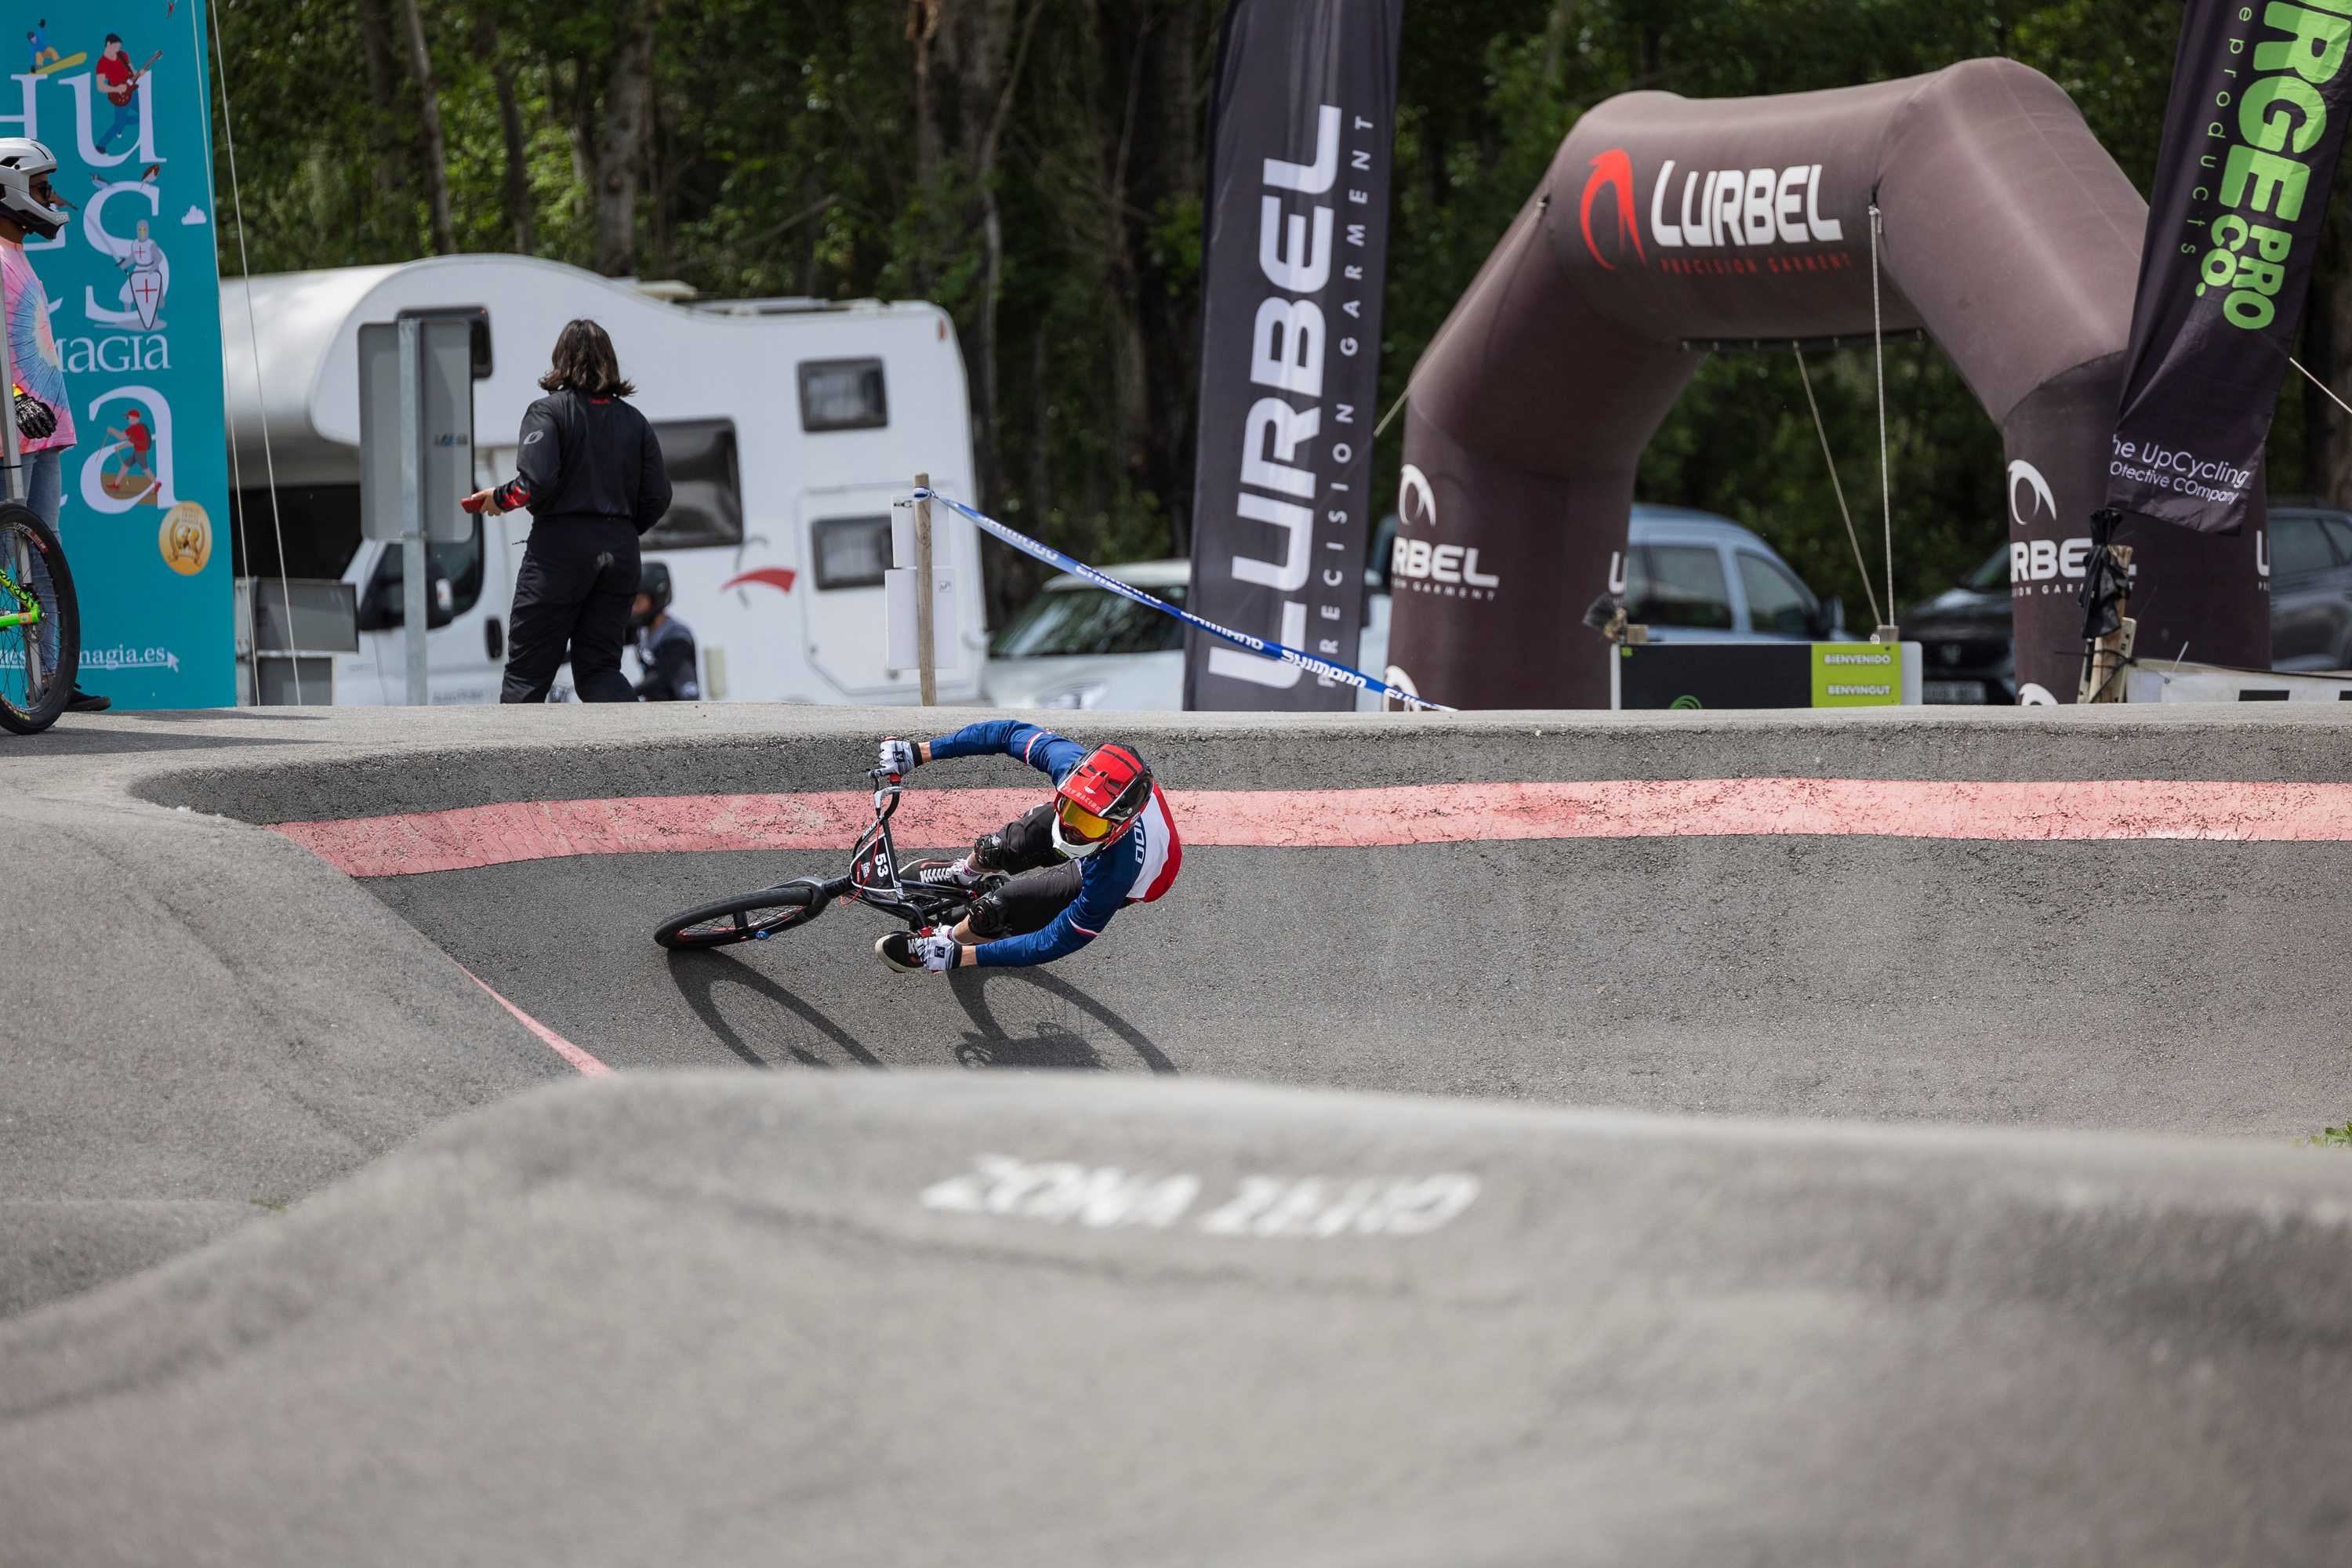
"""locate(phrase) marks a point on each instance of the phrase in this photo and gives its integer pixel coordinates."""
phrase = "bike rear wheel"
(746, 916)
(40, 648)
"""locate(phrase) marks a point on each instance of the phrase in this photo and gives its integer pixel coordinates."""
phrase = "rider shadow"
(699, 975)
(1052, 1044)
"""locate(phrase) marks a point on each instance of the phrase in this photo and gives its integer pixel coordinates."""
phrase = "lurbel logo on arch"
(1724, 212)
(1425, 566)
(1612, 175)
(2040, 567)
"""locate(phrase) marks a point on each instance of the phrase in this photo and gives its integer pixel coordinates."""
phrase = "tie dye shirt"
(33, 348)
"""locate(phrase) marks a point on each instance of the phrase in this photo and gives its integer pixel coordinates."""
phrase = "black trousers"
(1043, 884)
(571, 598)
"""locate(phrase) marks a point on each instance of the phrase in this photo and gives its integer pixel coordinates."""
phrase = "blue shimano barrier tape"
(1053, 557)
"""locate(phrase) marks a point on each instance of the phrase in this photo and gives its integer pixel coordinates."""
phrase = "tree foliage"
(1037, 167)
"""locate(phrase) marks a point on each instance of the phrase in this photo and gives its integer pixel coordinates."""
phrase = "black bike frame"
(874, 876)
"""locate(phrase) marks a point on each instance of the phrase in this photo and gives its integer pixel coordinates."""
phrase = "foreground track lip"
(591, 1324)
(414, 843)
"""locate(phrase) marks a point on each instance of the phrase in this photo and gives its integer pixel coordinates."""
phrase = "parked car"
(1965, 632)
(2311, 588)
(1077, 646)
(1690, 575)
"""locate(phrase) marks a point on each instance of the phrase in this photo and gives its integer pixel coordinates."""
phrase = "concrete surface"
(903, 1319)
(1867, 978)
(202, 1023)
(235, 1023)
(2177, 987)
(285, 1295)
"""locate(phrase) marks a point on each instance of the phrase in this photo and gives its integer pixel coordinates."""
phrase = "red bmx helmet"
(1099, 800)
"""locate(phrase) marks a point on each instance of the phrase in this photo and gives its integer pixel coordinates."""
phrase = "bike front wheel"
(746, 916)
(40, 623)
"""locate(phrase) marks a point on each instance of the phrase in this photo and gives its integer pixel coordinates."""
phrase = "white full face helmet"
(25, 167)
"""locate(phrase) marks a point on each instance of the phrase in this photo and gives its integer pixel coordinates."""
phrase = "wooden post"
(926, 650)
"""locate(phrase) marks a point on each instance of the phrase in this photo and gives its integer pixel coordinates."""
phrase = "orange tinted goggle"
(1082, 824)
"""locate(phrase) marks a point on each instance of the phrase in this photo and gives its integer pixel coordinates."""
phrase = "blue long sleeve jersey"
(1110, 874)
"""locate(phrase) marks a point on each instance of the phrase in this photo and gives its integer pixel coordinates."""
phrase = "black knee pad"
(986, 916)
(988, 852)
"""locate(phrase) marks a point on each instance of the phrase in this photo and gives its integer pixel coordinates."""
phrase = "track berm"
(1902, 1169)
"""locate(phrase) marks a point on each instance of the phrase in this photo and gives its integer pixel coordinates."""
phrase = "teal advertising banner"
(118, 90)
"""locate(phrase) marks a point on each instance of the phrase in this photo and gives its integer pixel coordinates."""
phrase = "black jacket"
(666, 651)
(587, 457)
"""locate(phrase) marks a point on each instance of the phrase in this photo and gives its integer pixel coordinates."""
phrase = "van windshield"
(1090, 620)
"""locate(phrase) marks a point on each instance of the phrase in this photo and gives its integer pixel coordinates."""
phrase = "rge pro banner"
(1295, 256)
(2258, 95)
(118, 90)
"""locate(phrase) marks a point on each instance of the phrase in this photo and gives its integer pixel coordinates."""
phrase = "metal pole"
(412, 504)
(926, 663)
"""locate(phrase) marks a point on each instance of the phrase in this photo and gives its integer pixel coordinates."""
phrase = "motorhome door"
(845, 534)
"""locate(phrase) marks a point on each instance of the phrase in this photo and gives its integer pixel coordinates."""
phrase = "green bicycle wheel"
(40, 643)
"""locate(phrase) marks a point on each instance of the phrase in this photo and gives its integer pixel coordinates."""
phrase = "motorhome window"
(843, 394)
(705, 504)
(320, 523)
(851, 552)
(478, 316)
(1090, 621)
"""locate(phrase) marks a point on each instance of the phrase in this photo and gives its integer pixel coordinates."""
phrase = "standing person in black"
(591, 472)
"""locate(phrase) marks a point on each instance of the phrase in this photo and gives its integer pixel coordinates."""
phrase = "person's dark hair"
(585, 363)
(111, 37)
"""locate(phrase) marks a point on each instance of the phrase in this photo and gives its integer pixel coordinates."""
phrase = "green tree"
(1036, 166)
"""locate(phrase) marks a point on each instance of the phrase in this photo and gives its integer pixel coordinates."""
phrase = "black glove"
(35, 420)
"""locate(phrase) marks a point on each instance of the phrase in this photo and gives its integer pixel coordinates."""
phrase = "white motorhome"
(788, 427)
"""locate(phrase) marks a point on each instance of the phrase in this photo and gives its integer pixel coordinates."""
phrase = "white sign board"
(444, 426)
(899, 619)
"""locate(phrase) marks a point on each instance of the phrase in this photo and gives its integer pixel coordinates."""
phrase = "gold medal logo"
(186, 539)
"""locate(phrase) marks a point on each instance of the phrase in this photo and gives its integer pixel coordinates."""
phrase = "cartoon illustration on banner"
(118, 92)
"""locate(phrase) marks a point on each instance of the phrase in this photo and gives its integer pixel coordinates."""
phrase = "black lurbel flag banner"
(2258, 95)
(1294, 257)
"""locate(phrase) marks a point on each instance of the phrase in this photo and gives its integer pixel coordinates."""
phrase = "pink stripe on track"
(588, 1066)
(418, 842)
(474, 836)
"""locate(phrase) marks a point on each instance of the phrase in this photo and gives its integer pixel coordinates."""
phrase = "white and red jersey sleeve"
(1163, 851)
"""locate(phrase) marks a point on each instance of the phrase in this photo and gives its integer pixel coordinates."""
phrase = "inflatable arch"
(2009, 235)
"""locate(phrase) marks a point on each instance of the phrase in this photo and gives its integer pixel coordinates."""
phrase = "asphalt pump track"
(1127, 1315)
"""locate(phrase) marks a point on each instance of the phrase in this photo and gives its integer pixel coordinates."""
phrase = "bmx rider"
(1105, 840)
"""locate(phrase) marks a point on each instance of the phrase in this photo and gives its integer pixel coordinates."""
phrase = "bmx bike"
(40, 623)
(876, 879)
